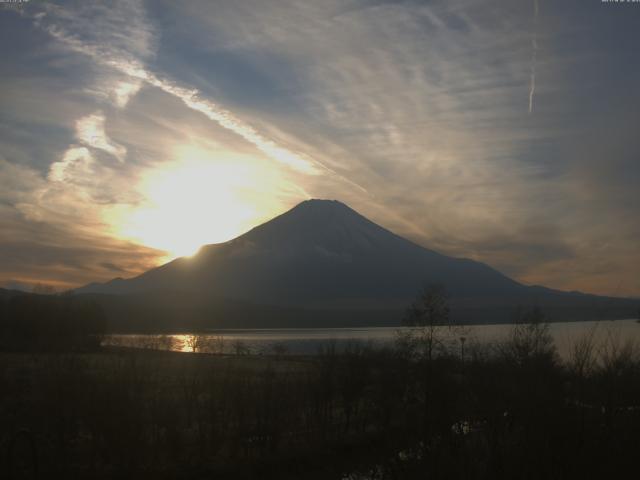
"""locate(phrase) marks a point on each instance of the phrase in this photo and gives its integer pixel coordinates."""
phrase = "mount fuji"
(321, 259)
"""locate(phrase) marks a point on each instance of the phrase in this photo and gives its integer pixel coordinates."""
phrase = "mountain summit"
(322, 254)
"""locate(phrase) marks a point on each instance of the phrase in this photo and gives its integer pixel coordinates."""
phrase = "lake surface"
(310, 340)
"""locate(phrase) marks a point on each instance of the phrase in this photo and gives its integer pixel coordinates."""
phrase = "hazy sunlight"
(203, 197)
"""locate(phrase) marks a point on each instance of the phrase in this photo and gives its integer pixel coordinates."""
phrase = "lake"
(309, 340)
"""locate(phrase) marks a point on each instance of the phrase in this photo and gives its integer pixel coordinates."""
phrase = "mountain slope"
(320, 252)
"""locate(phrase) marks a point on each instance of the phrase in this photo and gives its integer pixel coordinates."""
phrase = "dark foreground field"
(507, 411)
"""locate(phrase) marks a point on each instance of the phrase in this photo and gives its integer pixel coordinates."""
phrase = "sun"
(204, 196)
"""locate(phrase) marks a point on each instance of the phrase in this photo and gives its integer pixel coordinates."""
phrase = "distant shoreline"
(211, 331)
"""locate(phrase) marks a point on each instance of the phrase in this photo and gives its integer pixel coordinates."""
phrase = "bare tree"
(429, 311)
(195, 342)
(530, 339)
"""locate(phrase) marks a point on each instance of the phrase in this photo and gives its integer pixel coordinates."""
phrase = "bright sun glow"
(203, 197)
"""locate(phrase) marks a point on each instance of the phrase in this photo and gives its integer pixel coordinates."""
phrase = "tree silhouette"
(429, 311)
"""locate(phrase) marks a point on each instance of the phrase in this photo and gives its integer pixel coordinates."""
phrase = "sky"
(132, 132)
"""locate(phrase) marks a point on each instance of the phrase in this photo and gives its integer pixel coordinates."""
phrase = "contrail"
(534, 55)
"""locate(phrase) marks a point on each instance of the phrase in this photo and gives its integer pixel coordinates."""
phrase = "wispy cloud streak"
(90, 131)
(190, 97)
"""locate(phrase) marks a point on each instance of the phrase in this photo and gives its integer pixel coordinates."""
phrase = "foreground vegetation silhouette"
(416, 410)
(38, 323)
